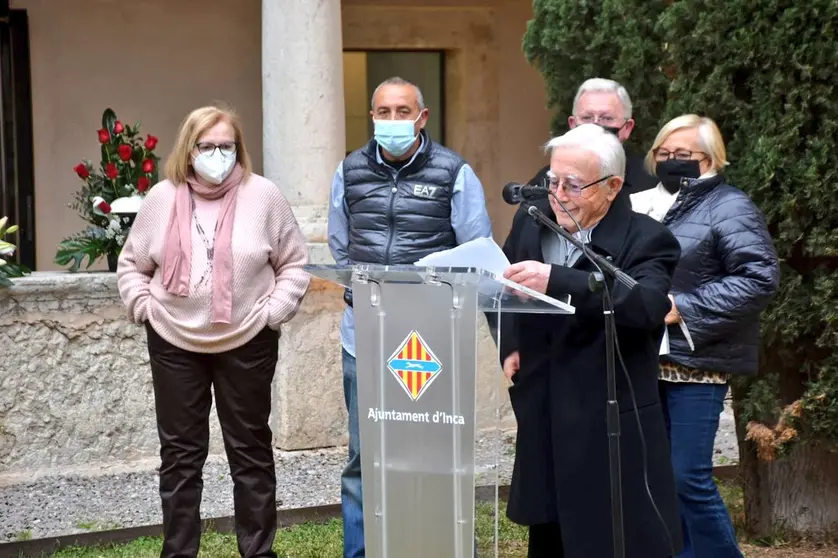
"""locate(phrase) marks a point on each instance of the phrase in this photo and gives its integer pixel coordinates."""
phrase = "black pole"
(604, 282)
(613, 416)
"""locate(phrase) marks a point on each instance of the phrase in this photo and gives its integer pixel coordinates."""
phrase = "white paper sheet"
(664, 350)
(665, 342)
(686, 333)
(481, 253)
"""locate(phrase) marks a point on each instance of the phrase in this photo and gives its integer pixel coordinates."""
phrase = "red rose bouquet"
(110, 195)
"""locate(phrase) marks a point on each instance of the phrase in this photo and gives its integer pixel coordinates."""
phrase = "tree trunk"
(795, 495)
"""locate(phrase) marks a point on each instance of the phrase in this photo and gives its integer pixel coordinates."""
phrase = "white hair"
(605, 86)
(590, 137)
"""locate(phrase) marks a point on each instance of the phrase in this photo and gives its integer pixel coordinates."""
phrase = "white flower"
(114, 230)
(99, 205)
(6, 248)
(127, 205)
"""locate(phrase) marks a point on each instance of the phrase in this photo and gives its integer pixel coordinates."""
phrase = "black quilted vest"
(400, 219)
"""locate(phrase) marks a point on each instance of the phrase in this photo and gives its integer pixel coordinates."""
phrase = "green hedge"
(767, 72)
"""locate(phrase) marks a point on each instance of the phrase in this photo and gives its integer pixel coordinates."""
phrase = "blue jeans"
(351, 495)
(692, 414)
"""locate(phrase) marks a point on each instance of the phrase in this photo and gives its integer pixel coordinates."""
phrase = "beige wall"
(83, 61)
(149, 60)
(356, 99)
(524, 118)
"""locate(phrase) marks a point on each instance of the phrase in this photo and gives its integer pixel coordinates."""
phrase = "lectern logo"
(414, 365)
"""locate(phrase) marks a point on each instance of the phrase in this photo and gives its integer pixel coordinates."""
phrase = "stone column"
(303, 121)
(303, 128)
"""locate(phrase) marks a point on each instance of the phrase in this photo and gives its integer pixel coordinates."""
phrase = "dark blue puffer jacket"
(727, 274)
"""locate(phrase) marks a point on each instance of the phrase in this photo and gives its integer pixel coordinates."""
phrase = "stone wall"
(75, 387)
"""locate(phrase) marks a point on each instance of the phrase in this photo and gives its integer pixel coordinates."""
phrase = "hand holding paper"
(532, 274)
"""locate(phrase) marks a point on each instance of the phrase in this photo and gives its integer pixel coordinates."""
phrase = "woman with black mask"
(727, 273)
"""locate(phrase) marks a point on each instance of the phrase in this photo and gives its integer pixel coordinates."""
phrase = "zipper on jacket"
(391, 219)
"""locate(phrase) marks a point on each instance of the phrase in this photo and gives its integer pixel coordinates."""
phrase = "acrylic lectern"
(417, 352)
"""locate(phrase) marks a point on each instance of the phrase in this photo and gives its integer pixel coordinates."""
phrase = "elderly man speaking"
(557, 364)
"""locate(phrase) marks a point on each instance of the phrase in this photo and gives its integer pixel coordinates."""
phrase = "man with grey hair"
(557, 363)
(395, 200)
(607, 103)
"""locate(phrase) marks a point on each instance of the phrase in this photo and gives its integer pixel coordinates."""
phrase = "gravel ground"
(64, 505)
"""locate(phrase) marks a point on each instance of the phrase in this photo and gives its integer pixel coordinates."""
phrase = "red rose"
(118, 128)
(151, 142)
(81, 170)
(124, 151)
(104, 207)
(148, 165)
(143, 183)
(104, 136)
(111, 171)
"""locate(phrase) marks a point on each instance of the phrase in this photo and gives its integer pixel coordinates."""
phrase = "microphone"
(516, 193)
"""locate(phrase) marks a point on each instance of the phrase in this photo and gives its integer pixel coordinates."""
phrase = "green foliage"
(762, 404)
(819, 417)
(766, 72)
(91, 243)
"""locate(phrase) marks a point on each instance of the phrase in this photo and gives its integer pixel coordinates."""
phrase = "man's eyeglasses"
(604, 119)
(679, 154)
(206, 148)
(572, 186)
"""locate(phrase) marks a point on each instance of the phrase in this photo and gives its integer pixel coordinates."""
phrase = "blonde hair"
(709, 138)
(193, 127)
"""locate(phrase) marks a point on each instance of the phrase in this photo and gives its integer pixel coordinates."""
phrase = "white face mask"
(214, 168)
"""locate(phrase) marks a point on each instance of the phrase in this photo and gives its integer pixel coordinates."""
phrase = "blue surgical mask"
(395, 136)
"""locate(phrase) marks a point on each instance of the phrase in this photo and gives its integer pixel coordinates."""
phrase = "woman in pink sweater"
(212, 267)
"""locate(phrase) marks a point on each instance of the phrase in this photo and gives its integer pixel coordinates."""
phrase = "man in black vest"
(395, 200)
(607, 103)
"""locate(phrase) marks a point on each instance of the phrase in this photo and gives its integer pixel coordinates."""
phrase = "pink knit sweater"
(269, 282)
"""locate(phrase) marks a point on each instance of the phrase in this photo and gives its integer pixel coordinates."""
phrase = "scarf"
(177, 255)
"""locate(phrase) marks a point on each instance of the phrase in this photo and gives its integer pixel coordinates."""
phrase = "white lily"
(3, 222)
(6, 248)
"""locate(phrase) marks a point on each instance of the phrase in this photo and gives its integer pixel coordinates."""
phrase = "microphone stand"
(599, 282)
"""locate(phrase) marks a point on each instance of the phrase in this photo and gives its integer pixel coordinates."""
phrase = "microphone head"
(512, 193)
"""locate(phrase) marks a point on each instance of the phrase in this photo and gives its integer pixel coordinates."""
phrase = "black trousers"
(241, 380)
(545, 541)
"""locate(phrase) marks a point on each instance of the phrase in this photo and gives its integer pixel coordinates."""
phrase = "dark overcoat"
(561, 471)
